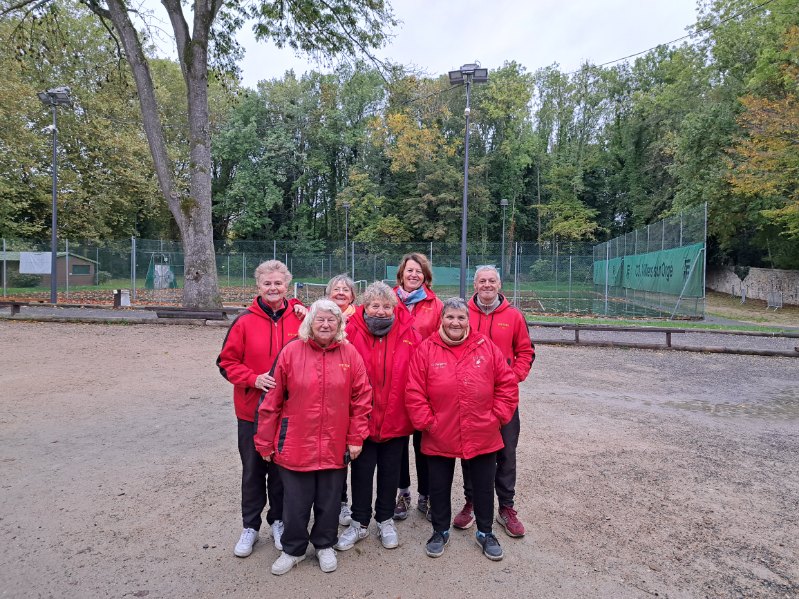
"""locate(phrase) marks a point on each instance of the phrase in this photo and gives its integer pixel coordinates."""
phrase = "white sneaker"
(351, 535)
(387, 533)
(285, 563)
(345, 515)
(327, 559)
(248, 538)
(277, 534)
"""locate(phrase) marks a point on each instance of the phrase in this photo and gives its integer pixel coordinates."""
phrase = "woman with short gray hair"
(384, 336)
(460, 420)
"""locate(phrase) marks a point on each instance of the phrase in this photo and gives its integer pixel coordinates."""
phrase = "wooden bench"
(15, 305)
(626, 329)
(219, 314)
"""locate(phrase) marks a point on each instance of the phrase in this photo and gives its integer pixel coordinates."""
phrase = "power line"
(684, 37)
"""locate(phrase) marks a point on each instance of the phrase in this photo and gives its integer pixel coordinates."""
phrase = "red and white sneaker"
(510, 522)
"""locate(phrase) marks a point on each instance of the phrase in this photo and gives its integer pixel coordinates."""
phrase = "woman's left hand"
(300, 310)
(355, 450)
(264, 382)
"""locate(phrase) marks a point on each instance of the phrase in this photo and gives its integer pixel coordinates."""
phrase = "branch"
(180, 27)
(23, 4)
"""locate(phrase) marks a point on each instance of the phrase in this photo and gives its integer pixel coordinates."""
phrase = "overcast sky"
(437, 37)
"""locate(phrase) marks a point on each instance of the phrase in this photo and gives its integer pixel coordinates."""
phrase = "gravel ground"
(641, 474)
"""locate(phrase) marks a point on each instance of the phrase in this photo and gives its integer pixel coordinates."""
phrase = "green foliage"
(16, 279)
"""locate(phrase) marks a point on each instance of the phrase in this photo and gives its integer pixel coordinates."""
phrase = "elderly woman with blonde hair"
(311, 424)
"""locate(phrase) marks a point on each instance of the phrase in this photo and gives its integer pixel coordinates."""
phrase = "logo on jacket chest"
(503, 325)
(439, 364)
(344, 366)
(479, 361)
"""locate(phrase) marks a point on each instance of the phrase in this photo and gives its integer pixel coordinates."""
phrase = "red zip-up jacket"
(387, 360)
(506, 327)
(250, 348)
(321, 404)
(460, 403)
(426, 314)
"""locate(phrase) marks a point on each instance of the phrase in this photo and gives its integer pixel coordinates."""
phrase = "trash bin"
(121, 298)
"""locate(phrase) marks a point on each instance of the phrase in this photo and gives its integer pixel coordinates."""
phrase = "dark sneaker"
(424, 506)
(465, 517)
(491, 548)
(436, 543)
(506, 516)
(402, 507)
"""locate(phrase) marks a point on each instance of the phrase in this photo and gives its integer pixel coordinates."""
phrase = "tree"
(319, 27)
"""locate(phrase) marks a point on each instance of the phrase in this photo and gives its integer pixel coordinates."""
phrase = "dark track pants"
(483, 470)
(505, 481)
(422, 471)
(259, 478)
(317, 489)
(384, 457)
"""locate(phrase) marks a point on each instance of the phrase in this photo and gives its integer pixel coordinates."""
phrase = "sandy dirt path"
(642, 474)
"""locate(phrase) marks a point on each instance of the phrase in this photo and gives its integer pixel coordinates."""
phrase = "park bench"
(176, 312)
(601, 327)
(15, 305)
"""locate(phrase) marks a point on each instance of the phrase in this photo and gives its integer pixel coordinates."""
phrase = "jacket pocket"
(284, 427)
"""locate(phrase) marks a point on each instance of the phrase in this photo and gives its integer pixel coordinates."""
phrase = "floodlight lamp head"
(456, 78)
(56, 96)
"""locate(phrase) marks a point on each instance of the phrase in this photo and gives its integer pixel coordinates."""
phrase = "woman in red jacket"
(414, 279)
(250, 348)
(383, 334)
(460, 392)
(311, 424)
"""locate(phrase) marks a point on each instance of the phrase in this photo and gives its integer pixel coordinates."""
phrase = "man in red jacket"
(491, 314)
(250, 348)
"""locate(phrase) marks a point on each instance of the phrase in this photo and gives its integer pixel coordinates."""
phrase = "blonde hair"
(322, 305)
(271, 266)
(340, 279)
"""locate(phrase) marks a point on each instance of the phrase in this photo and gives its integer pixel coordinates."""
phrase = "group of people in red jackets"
(317, 389)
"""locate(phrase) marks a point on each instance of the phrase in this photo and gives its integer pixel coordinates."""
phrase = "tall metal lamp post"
(467, 74)
(504, 203)
(57, 96)
(346, 233)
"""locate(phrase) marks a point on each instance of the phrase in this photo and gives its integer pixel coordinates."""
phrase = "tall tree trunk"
(192, 212)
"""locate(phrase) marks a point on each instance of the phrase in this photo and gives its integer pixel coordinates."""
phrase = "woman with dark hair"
(312, 422)
(414, 282)
(251, 345)
(383, 334)
(461, 391)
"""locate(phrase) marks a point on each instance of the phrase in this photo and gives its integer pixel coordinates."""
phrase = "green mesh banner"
(665, 271)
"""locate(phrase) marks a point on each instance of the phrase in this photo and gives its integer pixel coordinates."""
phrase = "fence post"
(570, 282)
(97, 266)
(431, 252)
(274, 249)
(607, 273)
(5, 273)
(515, 272)
(66, 266)
(133, 266)
(228, 269)
(243, 267)
(353, 260)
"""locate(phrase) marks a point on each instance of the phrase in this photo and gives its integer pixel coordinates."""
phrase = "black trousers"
(385, 457)
(422, 471)
(317, 489)
(483, 469)
(254, 487)
(505, 481)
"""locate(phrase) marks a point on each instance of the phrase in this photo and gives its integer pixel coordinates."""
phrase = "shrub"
(541, 270)
(103, 276)
(16, 279)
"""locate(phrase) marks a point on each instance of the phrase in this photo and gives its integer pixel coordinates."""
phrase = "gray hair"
(378, 291)
(322, 305)
(454, 303)
(271, 266)
(490, 267)
(342, 278)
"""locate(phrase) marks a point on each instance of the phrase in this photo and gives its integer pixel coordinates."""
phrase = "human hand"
(300, 310)
(355, 451)
(267, 458)
(265, 381)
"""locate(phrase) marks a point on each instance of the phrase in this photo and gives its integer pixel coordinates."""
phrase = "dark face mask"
(379, 327)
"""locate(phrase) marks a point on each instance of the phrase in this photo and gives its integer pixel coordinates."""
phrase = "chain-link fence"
(550, 277)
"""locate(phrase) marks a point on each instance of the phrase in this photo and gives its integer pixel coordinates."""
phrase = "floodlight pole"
(467, 74)
(53, 97)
